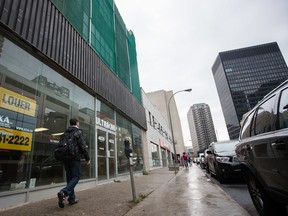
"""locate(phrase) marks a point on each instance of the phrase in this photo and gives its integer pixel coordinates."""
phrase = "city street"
(237, 189)
(189, 192)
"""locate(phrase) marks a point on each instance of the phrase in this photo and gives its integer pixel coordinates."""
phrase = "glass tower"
(243, 77)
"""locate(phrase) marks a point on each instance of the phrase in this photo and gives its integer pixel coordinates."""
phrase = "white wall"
(153, 134)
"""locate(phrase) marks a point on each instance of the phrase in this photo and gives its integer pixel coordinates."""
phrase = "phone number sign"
(15, 140)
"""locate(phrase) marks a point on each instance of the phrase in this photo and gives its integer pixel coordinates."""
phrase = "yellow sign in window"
(16, 102)
(15, 140)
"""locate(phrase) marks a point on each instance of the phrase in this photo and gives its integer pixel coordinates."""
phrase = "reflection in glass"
(102, 173)
(54, 100)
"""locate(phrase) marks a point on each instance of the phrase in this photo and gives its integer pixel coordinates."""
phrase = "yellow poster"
(16, 102)
(15, 140)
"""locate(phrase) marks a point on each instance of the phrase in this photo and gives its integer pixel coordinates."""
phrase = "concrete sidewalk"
(187, 193)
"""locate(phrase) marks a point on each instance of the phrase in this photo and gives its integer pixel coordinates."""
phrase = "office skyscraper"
(243, 77)
(201, 126)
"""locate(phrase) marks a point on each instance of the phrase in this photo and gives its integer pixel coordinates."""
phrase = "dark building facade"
(53, 69)
(243, 77)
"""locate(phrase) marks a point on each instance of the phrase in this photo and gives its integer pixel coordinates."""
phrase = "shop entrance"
(106, 154)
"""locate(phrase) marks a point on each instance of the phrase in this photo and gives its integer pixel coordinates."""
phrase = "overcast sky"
(177, 42)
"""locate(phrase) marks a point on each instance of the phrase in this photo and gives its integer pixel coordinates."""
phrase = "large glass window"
(124, 129)
(36, 105)
(127, 129)
(137, 149)
(155, 155)
(18, 110)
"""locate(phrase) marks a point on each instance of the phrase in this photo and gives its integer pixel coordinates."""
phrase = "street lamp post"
(175, 161)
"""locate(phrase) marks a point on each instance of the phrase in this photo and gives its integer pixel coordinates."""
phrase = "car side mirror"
(209, 152)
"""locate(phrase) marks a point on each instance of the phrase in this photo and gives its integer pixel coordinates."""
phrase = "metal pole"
(132, 182)
(128, 153)
(175, 161)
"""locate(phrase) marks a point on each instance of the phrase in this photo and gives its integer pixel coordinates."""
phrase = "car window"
(283, 110)
(264, 117)
(225, 147)
(245, 131)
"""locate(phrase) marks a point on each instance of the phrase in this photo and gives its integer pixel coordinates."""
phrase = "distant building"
(243, 77)
(159, 148)
(161, 99)
(201, 126)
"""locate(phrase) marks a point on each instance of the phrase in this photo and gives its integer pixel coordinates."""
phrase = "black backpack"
(65, 150)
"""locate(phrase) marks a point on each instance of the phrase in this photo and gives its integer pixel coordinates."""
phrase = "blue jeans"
(186, 163)
(73, 173)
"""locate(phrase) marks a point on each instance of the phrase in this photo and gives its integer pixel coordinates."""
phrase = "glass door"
(111, 155)
(106, 154)
(101, 147)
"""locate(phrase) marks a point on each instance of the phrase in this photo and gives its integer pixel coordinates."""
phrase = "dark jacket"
(81, 143)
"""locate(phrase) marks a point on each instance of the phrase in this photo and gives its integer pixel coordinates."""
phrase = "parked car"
(202, 160)
(206, 160)
(196, 160)
(263, 152)
(222, 160)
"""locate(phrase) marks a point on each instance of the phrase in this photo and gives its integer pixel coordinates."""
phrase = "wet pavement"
(189, 192)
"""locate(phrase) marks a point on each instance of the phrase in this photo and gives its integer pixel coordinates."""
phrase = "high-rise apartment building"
(201, 126)
(243, 77)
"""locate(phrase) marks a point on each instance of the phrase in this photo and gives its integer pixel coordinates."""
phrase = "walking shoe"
(61, 198)
(73, 202)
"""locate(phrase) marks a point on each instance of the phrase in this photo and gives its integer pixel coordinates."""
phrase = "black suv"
(263, 152)
(222, 160)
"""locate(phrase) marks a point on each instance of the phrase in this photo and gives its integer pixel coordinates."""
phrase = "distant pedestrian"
(185, 160)
(73, 166)
(189, 160)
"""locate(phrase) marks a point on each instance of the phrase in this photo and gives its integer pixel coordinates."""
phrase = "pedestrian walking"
(189, 160)
(185, 160)
(73, 166)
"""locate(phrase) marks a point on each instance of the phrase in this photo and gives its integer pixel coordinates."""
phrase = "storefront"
(35, 107)
(159, 151)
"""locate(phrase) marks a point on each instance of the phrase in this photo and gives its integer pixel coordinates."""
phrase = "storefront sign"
(163, 145)
(105, 124)
(16, 102)
(15, 140)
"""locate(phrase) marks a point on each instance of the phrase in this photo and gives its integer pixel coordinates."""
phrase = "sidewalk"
(187, 193)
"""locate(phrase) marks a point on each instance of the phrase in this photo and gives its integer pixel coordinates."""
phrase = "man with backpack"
(73, 165)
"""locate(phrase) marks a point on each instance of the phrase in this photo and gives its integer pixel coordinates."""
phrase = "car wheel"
(201, 165)
(207, 169)
(220, 177)
(262, 202)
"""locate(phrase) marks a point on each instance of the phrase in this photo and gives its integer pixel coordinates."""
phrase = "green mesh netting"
(122, 59)
(133, 65)
(108, 36)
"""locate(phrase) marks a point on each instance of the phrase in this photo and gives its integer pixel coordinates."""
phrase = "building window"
(155, 155)
(37, 103)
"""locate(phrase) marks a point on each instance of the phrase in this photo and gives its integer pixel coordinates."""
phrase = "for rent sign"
(16, 132)
(15, 140)
(16, 102)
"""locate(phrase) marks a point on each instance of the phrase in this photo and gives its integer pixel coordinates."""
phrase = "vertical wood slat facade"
(40, 25)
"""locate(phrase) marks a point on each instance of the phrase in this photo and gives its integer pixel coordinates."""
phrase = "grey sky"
(177, 42)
